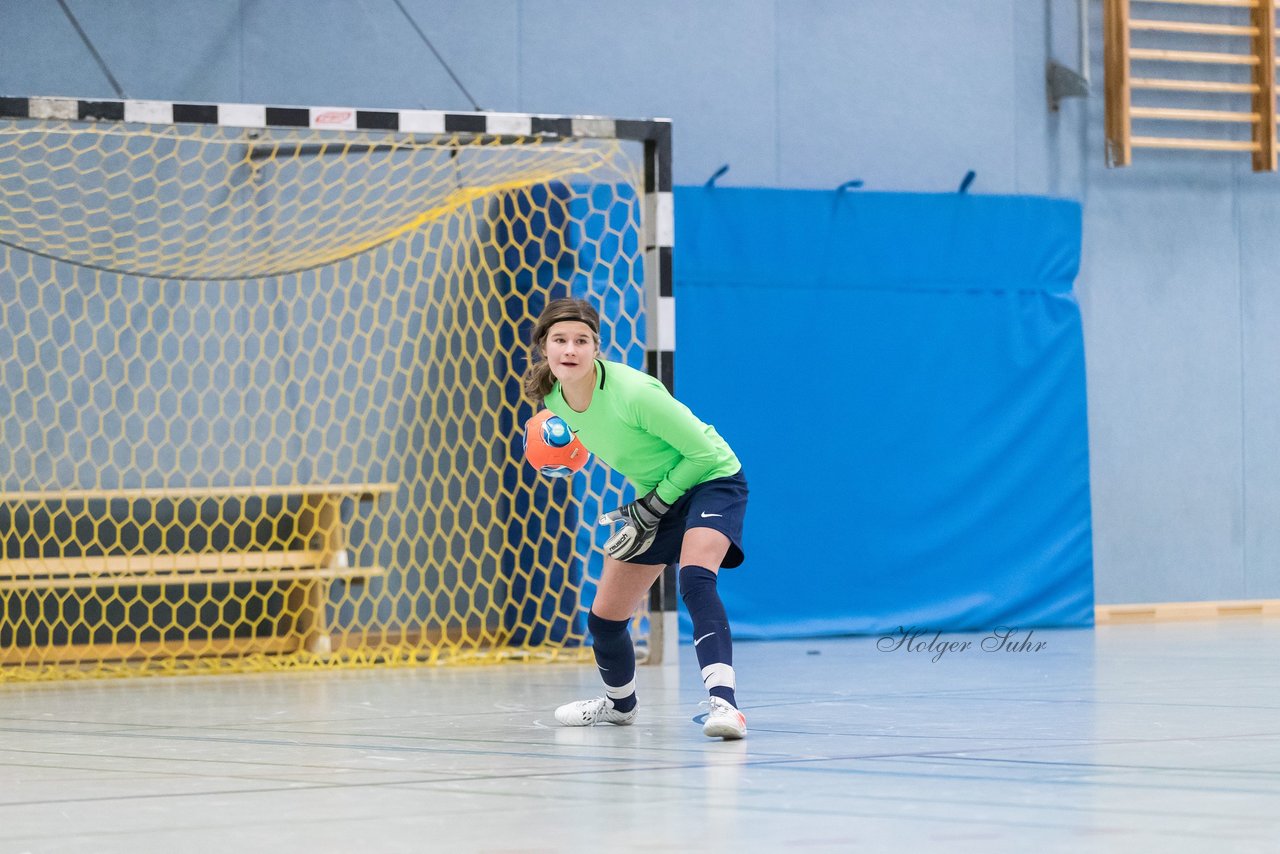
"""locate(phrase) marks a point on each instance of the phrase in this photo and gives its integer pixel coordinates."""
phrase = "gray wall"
(1177, 286)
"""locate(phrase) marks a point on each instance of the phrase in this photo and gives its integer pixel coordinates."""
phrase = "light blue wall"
(904, 94)
(1177, 286)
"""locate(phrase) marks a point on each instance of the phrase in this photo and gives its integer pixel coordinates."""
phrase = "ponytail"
(538, 381)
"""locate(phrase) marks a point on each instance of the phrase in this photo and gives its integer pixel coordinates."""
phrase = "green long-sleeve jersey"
(636, 426)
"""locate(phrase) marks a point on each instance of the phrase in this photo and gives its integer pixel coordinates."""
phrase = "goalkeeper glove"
(640, 526)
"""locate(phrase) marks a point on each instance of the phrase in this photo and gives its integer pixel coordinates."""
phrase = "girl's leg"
(700, 557)
(621, 589)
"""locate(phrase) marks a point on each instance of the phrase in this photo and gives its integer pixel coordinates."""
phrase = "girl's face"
(571, 351)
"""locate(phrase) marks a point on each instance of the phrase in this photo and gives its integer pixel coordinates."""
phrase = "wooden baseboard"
(1160, 612)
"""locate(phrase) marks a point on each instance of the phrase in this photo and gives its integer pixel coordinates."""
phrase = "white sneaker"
(592, 712)
(724, 721)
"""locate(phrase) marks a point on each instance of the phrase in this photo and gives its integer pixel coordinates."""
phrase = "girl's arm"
(656, 411)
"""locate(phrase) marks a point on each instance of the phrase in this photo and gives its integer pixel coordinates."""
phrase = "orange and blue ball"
(551, 447)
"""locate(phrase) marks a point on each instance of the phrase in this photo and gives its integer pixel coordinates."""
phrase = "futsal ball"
(551, 447)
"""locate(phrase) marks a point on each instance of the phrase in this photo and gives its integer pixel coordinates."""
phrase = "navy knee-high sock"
(616, 658)
(711, 639)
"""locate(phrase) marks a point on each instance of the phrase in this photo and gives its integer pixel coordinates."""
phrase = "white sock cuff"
(719, 676)
(621, 692)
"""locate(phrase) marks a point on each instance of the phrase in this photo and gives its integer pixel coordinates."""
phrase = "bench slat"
(151, 562)
(259, 576)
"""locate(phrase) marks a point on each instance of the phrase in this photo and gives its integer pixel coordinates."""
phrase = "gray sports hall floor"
(1127, 738)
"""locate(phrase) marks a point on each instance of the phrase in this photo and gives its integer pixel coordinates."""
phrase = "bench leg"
(320, 526)
(313, 624)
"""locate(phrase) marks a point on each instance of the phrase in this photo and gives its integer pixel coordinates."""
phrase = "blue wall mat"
(903, 378)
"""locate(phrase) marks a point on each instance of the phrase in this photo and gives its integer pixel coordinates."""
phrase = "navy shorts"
(720, 504)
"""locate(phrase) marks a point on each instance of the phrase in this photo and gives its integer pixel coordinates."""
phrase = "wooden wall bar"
(1173, 67)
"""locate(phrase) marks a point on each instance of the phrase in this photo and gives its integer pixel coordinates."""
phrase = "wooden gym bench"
(313, 553)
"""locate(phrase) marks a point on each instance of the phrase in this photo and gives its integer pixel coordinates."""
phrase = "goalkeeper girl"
(692, 500)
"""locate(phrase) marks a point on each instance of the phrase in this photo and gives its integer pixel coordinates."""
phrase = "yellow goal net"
(260, 381)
